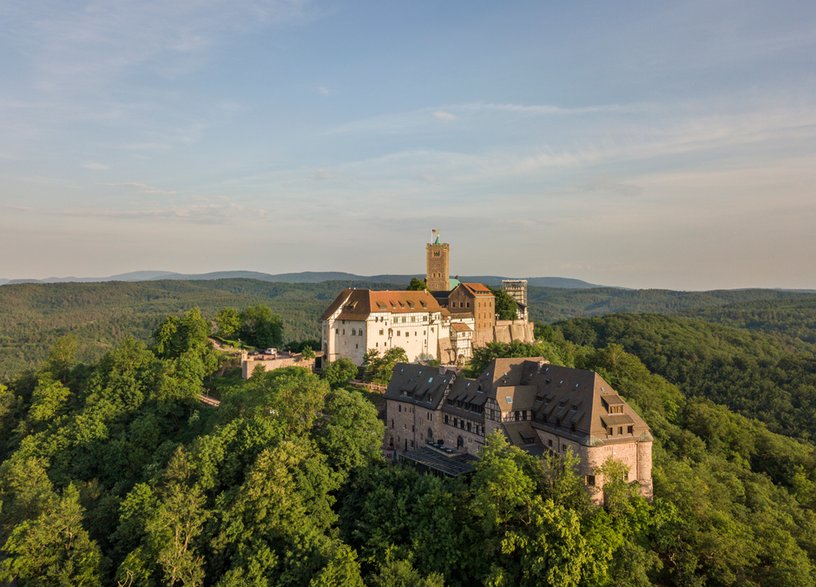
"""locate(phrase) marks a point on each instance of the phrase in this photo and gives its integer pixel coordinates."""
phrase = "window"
(590, 480)
(392, 423)
(399, 408)
(630, 429)
(382, 332)
(446, 418)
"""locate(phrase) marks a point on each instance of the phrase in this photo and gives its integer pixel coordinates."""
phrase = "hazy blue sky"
(637, 143)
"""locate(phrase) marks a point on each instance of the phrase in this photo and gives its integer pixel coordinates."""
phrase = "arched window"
(460, 442)
(430, 435)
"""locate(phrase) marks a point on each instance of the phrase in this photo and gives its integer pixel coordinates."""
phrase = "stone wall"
(635, 455)
(250, 364)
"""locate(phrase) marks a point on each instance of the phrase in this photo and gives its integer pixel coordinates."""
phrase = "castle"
(443, 323)
(437, 419)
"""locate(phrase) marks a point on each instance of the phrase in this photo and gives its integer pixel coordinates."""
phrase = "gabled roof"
(359, 304)
(418, 384)
(578, 401)
(477, 288)
(572, 403)
(460, 327)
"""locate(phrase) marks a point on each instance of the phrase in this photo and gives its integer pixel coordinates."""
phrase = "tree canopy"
(112, 472)
(416, 284)
(506, 305)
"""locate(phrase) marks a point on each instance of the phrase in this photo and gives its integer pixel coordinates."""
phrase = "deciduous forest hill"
(34, 316)
(112, 473)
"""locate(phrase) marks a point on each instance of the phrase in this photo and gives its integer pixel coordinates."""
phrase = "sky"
(634, 143)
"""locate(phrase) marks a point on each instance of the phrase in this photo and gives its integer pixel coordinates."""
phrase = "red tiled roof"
(478, 288)
(358, 304)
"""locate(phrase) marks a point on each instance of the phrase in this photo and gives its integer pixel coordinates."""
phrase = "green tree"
(179, 334)
(260, 327)
(53, 549)
(396, 572)
(63, 356)
(228, 322)
(506, 305)
(416, 285)
(378, 369)
(10, 414)
(340, 372)
(350, 433)
(171, 529)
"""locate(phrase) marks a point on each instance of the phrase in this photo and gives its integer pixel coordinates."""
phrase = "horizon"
(642, 145)
(112, 277)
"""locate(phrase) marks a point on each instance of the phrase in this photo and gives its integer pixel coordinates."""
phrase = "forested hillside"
(753, 373)
(113, 473)
(34, 316)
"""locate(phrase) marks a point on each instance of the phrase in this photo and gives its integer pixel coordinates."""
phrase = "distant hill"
(302, 277)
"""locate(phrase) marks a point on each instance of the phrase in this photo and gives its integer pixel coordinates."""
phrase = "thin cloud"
(95, 166)
(418, 120)
(144, 188)
(324, 91)
(97, 40)
(143, 146)
(444, 116)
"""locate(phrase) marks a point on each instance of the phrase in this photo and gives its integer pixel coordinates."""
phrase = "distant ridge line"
(301, 277)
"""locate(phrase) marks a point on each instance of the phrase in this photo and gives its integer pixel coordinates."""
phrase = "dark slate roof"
(419, 384)
(523, 435)
(441, 297)
(573, 403)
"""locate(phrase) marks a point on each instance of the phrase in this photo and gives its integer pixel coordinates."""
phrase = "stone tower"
(437, 263)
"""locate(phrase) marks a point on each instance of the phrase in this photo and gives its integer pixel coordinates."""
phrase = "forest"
(101, 315)
(113, 473)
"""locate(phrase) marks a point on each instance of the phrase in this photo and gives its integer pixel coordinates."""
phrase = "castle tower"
(437, 263)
